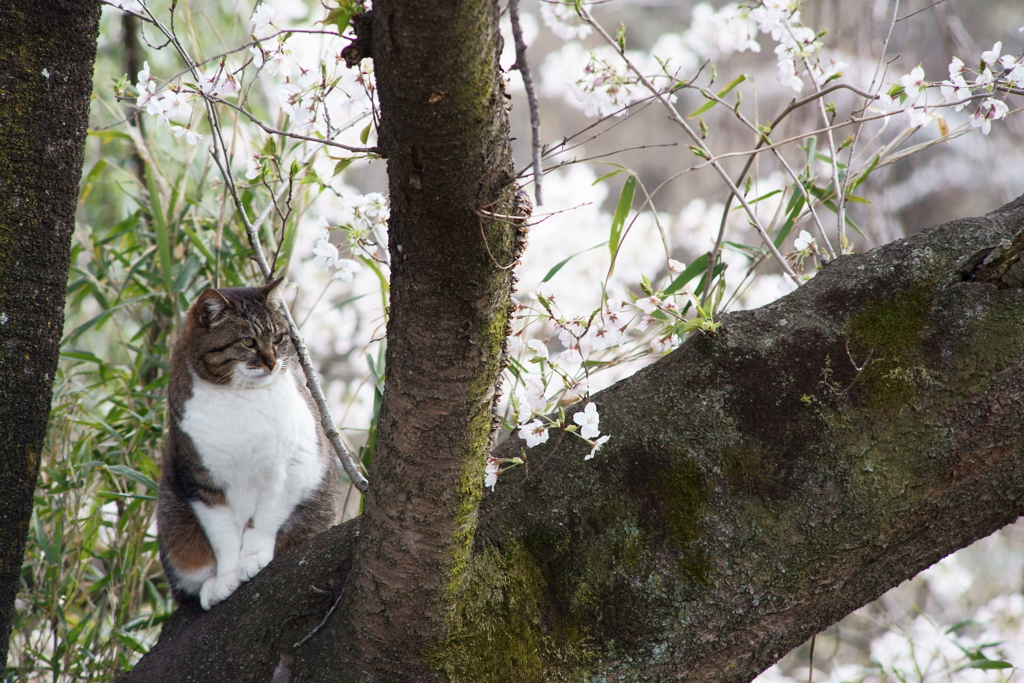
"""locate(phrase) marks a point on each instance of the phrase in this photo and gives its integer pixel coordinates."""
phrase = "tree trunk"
(760, 484)
(444, 131)
(48, 48)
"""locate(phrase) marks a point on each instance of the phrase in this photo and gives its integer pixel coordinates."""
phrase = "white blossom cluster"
(996, 73)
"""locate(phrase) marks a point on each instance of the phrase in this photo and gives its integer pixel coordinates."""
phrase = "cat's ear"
(272, 292)
(209, 307)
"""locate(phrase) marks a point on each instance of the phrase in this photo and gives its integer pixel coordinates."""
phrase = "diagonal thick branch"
(760, 484)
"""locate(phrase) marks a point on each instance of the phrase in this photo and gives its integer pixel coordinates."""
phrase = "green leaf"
(721, 93)
(340, 16)
(198, 242)
(162, 238)
(134, 475)
(621, 212)
(606, 176)
(95, 171)
(747, 250)
(697, 267)
(989, 664)
(764, 196)
(860, 178)
(364, 135)
(75, 354)
(186, 273)
(342, 165)
(131, 496)
(108, 135)
(558, 266)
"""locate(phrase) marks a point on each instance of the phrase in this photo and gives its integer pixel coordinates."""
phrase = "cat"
(247, 471)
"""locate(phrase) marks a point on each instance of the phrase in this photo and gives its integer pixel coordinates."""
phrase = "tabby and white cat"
(247, 471)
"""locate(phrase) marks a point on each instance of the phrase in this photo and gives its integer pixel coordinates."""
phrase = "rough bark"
(444, 131)
(48, 48)
(757, 488)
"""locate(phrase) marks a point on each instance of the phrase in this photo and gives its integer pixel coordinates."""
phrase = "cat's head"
(240, 336)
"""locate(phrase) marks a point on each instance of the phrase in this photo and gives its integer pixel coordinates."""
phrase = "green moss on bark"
(498, 631)
(891, 331)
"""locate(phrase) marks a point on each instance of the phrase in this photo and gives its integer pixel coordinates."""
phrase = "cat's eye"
(278, 338)
(248, 342)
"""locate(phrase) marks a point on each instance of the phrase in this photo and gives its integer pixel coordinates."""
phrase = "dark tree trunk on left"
(47, 48)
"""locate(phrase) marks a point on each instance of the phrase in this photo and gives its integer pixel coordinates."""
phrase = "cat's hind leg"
(185, 553)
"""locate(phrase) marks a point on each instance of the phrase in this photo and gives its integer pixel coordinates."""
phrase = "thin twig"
(531, 95)
(923, 9)
(295, 136)
(858, 368)
(321, 624)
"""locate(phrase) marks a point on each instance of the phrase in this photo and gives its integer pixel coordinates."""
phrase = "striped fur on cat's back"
(247, 471)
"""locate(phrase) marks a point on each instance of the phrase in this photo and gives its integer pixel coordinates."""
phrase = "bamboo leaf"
(698, 266)
(721, 93)
(558, 266)
(134, 475)
(162, 238)
(621, 212)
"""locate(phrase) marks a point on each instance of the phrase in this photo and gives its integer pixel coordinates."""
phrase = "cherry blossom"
(146, 86)
(595, 445)
(347, 269)
(570, 356)
(956, 68)
(191, 136)
(544, 291)
(580, 386)
(491, 473)
(606, 338)
(535, 394)
(803, 241)
(287, 95)
(913, 83)
(258, 56)
(533, 433)
(263, 15)
(649, 304)
(325, 254)
(989, 111)
(917, 116)
(562, 19)
(280, 62)
(992, 56)
(1016, 75)
(675, 266)
(664, 344)
(253, 167)
(787, 75)
(883, 103)
(588, 420)
(539, 348)
(956, 90)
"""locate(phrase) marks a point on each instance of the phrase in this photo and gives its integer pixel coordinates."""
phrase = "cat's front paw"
(217, 588)
(251, 563)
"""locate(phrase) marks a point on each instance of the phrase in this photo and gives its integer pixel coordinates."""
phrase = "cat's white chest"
(254, 441)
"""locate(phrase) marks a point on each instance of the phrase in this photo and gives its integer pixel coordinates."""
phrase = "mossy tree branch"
(760, 484)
